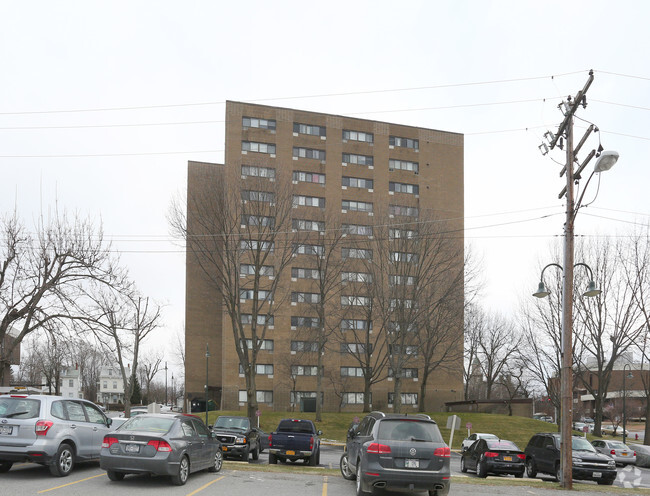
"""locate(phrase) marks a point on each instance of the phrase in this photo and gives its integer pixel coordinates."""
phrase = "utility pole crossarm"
(572, 110)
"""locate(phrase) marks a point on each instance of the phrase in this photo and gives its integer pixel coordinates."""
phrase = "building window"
(404, 142)
(403, 210)
(406, 373)
(407, 398)
(357, 229)
(355, 348)
(257, 220)
(351, 371)
(353, 398)
(405, 165)
(70, 382)
(297, 321)
(408, 350)
(247, 122)
(260, 369)
(296, 396)
(304, 370)
(403, 256)
(265, 344)
(105, 384)
(356, 253)
(249, 294)
(254, 146)
(247, 319)
(114, 384)
(254, 245)
(401, 280)
(255, 171)
(311, 346)
(250, 270)
(354, 300)
(356, 206)
(364, 277)
(260, 396)
(308, 177)
(352, 158)
(312, 153)
(308, 225)
(405, 303)
(357, 182)
(308, 201)
(402, 234)
(305, 249)
(397, 327)
(309, 129)
(356, 325)
(302, 297)
(260, 196)
(410, 189)
(301, 273)
(358, 136)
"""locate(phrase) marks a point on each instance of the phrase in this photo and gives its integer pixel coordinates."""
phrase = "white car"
(620, 452)
(468, 441)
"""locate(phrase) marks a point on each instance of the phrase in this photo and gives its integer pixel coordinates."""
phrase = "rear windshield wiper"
(9, 415)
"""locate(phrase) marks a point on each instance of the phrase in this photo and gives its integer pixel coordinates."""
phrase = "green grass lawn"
(335, 425)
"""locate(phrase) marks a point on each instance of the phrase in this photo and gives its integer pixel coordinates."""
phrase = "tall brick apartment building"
(345, 175)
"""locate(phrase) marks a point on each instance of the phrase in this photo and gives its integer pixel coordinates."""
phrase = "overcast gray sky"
(103, 103)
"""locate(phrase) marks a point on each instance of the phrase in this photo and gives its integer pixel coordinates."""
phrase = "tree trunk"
(366, 393)
(397, 394)
(646, 436)
(598, 417)
(319, 381)
(251, 396)
(423, 395)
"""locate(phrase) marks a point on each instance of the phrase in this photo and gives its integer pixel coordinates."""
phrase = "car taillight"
(42, 426)
(521, 456)
(635, 453)
(612, 452)
(311, 443)
(270, 440)
(108, 441)
(443, 452)
(160, 445)
(378, 448)
(491, 454)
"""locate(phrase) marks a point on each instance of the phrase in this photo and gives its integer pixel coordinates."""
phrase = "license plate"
(6, 429)
(624, 454)
(290, 452)
(507, 458)
(412, 463)
(132, 448)
(597, 475)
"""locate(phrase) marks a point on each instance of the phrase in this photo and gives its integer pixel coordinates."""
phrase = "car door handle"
(95, 429)
(73, 426)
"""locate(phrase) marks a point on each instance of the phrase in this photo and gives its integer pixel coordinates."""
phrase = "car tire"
(463, 468)
(5, 467)
(183, 472)
(273, 460)
(346, 471)
(605, 482)
(481, 469)
(558, 472)
(360, 490)
(531, 468)
(256, 454)
(115, 476)
(519, 475)
(244, 456)
(217, 463)
(313, 459)
(63, 462)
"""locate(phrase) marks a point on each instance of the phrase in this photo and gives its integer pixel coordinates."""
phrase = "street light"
(630, 376)
(207, 355)
(592, 291)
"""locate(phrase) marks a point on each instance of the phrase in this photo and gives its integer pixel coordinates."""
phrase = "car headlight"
(577, 462)
(240, 440)
(611, 463)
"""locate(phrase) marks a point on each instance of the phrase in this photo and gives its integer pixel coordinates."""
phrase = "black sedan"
(493, 456)
(160, 444)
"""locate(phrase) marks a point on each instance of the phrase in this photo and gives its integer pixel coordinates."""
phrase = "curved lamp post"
(630, 376)
(542, 292)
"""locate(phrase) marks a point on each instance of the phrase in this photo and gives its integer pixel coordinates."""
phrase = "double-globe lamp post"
(629, 376)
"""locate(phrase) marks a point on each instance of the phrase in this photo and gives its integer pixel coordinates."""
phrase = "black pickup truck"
(295, 439)
(238, 438)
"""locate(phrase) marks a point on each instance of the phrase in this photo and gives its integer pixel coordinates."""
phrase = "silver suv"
(50, 430)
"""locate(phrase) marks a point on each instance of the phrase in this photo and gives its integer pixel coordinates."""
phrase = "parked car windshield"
(19, 408)
(232, 423)
(409, 430)
(617, 445)
(504, 445)
(149, 424)
(581, 444)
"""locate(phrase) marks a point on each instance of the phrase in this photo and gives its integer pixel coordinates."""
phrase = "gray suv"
(397, 452)
(50, 430)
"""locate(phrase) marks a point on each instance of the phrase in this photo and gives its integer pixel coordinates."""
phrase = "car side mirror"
(320, 433)
(109, 421)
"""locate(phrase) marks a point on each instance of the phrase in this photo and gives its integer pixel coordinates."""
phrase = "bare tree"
(241, 235)
(89, 359)
(150, 365)
(41, 275)
(607, 325)
(473, 327)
